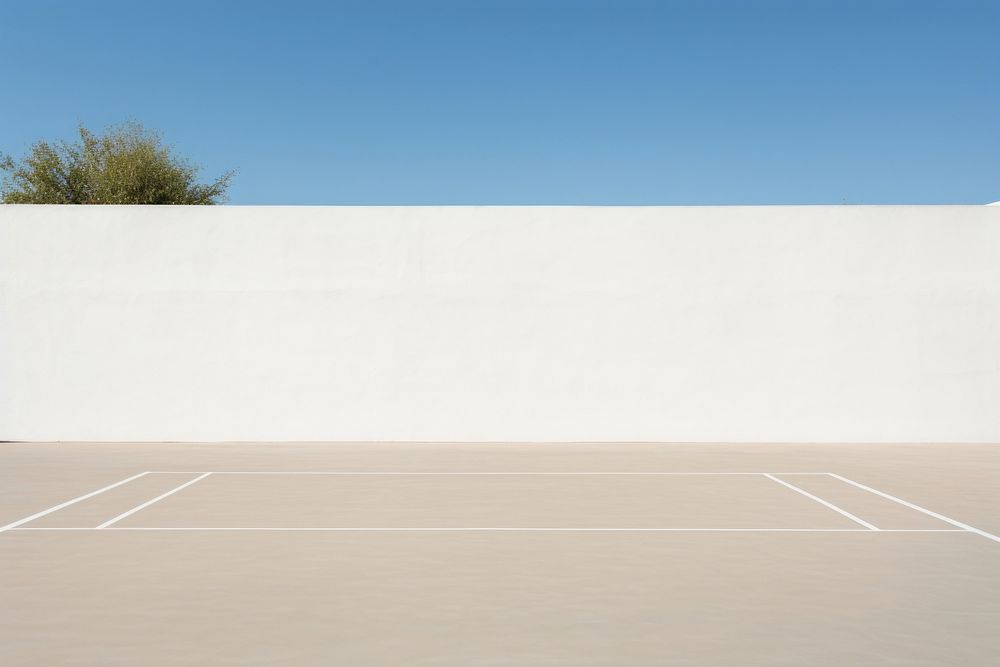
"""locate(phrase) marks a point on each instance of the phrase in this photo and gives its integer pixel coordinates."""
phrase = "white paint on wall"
(500, 323)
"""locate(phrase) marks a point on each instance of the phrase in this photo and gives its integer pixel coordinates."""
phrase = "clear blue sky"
(530, 102)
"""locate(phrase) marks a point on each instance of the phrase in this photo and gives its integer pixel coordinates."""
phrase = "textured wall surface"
(500, 323)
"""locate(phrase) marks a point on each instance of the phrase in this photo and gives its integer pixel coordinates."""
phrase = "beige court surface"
(499, 554)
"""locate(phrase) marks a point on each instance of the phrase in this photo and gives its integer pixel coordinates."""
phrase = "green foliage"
(127, 164)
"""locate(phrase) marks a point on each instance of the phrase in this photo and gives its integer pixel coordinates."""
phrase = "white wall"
(481, 323)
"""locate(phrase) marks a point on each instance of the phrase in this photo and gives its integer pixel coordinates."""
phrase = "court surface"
(458, 554)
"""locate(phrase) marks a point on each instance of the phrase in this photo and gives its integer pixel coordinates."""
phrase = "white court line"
(964, 526)
(822, 502)
(150, 502)
(506, 529)
(37, 515)
(348, 472)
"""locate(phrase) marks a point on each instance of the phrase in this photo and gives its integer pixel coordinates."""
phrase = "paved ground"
(426, 560)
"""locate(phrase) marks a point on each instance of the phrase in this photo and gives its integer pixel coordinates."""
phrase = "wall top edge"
(494, 206)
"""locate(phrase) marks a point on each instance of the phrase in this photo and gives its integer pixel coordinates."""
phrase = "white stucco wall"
(491, 324)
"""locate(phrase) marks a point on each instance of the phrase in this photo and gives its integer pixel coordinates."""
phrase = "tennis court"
(499, 553)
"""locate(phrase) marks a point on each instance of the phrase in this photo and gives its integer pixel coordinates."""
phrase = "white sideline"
(822, 502)
(964, 526)
(150, 502)
(511, 530)
(38, 515)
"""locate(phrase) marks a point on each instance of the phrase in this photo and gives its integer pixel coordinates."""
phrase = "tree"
(127, 164)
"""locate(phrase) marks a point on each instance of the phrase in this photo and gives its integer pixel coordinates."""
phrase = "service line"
(368, 472)
(495, 529)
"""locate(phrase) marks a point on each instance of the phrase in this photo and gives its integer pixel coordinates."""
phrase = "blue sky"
(530, 102)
